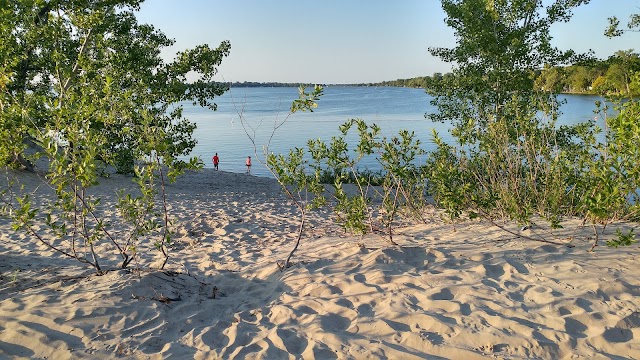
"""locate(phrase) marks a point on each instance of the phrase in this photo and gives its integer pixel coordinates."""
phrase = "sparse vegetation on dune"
(510, 160)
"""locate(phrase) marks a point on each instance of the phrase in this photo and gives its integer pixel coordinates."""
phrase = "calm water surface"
(391, 108)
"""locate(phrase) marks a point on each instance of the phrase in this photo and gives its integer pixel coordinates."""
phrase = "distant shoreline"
(251, 84)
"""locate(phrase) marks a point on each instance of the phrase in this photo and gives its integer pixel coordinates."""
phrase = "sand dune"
(475, 292)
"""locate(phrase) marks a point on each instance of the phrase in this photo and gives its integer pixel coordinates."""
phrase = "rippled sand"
(466, 293)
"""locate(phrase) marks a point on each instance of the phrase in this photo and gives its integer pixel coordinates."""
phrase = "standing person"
(216, 161)
(249, 165)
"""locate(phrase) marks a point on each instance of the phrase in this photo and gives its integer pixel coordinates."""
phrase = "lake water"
(391, 108)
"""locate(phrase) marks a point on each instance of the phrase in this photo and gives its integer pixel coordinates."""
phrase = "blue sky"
(347, 41)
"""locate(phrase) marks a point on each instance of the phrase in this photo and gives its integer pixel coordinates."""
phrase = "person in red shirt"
(216, 161)
(248, 164)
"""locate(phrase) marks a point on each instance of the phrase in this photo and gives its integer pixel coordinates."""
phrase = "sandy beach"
(467, 292)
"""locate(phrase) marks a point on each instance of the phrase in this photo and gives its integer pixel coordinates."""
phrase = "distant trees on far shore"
(285, 84)
(263, 84)
(601, 77)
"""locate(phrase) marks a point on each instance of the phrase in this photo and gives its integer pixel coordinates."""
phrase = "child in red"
(216, 160)
(248, 164)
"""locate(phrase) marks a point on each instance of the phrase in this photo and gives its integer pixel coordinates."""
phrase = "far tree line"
(600, 77)
(611, 76)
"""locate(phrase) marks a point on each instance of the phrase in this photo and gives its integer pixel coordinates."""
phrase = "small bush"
(622, 239)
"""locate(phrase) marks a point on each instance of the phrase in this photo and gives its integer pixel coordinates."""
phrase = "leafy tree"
(511, 160)
(85, 82)
(499, 45)
(551, 79)
(614, 26)
(508, 160)
(64, 52)
(623, 64)
(616, 71)
(609, 182)
(616, 77)
(579, 79)
(612, 185)
(601, 86)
